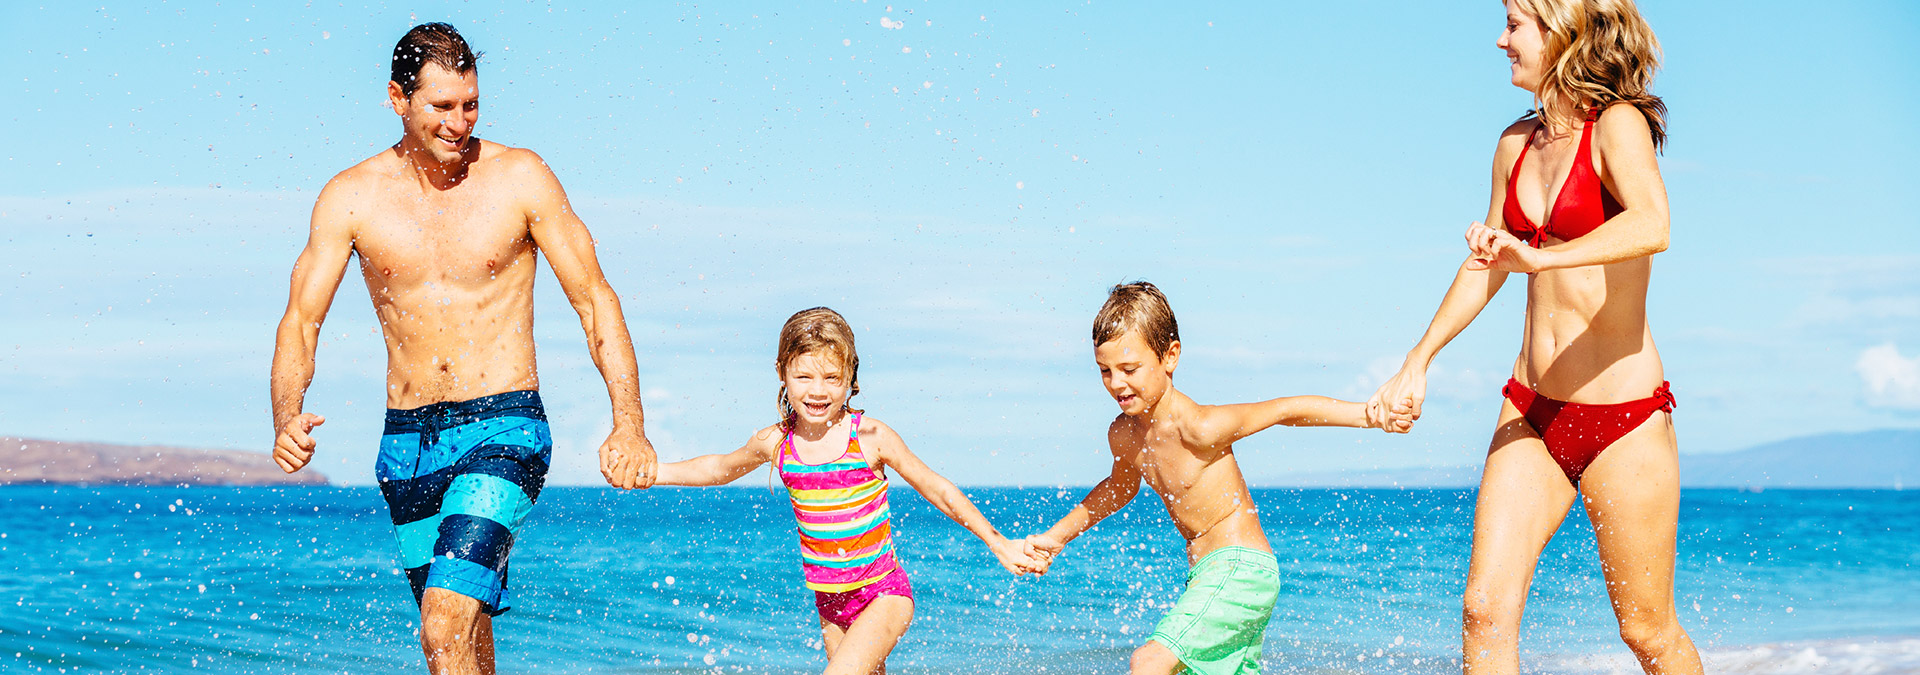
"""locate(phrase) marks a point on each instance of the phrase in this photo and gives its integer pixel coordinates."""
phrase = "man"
(446, 226)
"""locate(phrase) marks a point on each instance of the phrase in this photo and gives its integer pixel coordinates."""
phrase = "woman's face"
(1526, 46)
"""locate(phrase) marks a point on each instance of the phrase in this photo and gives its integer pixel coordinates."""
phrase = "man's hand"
(1500, 251)
(293, 447)
(627, 460)
(1042, 548)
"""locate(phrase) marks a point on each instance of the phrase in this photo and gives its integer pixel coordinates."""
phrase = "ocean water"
(260, 580)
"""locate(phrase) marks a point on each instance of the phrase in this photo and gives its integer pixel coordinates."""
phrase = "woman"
(1577, 205)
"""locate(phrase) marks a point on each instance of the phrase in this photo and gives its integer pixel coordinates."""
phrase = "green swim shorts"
(1217, 626)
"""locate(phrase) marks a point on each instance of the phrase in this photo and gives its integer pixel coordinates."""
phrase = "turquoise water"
(257, 580)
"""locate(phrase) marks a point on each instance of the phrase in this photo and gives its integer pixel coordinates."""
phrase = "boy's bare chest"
(1170, 468)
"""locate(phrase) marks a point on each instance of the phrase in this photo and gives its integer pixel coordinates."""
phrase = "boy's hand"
(1042, 549)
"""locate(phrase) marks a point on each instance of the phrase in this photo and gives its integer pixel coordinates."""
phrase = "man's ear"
(1172, 359)
(396, 98)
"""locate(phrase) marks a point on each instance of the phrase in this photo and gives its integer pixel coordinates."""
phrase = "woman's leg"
(862, 648)
(1523, 498)
(1632, 494)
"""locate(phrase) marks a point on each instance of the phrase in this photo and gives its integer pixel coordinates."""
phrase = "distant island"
(1881, 459)
(25, 461)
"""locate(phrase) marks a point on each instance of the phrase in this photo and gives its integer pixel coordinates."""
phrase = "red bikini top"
(1583, 203)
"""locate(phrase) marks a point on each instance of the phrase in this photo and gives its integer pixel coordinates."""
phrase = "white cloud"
(1893, 381)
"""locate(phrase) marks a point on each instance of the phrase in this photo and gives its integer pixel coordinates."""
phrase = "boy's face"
(1133, 374)
(817, 387)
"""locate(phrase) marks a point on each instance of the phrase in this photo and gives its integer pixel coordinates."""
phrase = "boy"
(1184, 450)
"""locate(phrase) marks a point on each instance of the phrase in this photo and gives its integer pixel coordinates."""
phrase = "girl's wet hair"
(436, 43)
(816, 331)
(1599, 52)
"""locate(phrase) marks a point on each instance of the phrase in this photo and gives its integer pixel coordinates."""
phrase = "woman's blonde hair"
(1599, 52)
(809, 331)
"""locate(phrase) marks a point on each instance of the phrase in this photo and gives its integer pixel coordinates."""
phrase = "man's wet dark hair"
(436, 43)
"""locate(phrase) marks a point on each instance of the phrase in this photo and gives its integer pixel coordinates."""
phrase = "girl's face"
(1526, 46)
(817, 387)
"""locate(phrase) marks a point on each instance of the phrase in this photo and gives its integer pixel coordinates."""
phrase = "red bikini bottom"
(1575, 433)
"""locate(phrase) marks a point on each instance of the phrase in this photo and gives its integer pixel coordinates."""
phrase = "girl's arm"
(1106, 499)
(708, 470)
(891, 451)
(1397, 403)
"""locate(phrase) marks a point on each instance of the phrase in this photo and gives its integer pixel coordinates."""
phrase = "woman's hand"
(1500, 251)
(1396, 405)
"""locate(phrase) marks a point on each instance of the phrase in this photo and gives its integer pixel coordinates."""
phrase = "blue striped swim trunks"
(460, 477)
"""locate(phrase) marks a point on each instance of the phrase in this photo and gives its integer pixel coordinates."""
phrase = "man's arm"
(1106, 499)
(626, 458)
(316, 276)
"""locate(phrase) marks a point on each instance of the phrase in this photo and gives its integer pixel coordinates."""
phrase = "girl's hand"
(1013, 556)
(1500, 251)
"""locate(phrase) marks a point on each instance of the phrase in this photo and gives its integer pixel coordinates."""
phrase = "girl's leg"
(1523, 498)
(862, 648)
(1632, 495)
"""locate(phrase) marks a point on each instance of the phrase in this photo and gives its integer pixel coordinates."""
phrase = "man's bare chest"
(446, 240)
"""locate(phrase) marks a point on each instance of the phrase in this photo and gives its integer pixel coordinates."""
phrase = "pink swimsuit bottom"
(843, 608)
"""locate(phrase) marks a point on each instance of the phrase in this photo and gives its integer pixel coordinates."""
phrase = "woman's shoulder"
(1512, 140)
(1622, 119)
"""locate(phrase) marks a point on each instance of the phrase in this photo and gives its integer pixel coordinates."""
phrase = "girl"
(833, 460)
(1577, 205)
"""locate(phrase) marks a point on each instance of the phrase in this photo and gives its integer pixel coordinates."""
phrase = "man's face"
(441, 113)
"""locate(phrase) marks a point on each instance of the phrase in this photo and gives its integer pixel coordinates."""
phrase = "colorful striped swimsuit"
(846, 529)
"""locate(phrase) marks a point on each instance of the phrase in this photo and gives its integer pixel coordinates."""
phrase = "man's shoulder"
(509, 159)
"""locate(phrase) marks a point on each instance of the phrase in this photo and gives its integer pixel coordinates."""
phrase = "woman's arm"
(1623, 155)
(709, 470)
(1397, 403)
(892, 452)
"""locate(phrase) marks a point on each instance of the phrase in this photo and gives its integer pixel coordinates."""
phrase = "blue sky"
(963, 183)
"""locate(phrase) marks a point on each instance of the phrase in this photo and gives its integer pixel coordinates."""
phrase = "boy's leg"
(1633, 498)
(455, 634)
(863, 647)
(1154, 659)
(1523, 497)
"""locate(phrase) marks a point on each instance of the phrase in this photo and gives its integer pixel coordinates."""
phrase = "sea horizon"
(681, 580)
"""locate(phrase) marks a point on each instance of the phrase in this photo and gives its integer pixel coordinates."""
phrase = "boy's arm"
(1226, 424)
(892, 452)
(1106, 499)
(709, 470)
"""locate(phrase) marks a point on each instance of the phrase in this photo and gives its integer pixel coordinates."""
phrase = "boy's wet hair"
(810, 331)
(436, 43)
(1137, 307)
